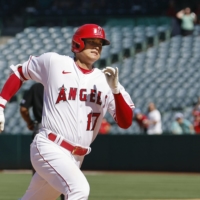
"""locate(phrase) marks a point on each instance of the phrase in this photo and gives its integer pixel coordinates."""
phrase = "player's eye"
(94, 43)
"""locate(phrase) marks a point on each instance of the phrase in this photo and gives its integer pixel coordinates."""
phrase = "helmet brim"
(105, 42)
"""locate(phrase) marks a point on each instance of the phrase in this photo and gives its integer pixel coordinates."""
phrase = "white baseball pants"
(57, 172)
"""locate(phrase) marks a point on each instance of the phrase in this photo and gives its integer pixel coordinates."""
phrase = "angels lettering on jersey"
(91, 95)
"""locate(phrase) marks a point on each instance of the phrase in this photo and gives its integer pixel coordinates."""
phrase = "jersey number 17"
(95, 116)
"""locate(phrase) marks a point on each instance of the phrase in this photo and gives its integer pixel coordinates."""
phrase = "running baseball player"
(76, 98)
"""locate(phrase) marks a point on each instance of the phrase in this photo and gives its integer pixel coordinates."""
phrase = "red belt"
(75, 150)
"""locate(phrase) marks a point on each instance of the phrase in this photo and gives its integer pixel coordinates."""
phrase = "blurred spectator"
(196, 109)
(141, 120)
(154, 120)
(105, 127)
(181, 125)
(196, 115)
(188, 19)
(175, 22)
(196, 123)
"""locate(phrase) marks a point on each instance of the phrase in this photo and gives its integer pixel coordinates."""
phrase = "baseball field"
(116, 185)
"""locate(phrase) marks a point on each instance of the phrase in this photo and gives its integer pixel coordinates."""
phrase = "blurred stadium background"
(155, 62)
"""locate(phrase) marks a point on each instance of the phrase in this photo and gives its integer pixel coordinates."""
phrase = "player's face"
(91, 53)
(93, 48)
(94, 42)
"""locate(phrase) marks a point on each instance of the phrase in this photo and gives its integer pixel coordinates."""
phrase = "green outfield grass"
(117, 186)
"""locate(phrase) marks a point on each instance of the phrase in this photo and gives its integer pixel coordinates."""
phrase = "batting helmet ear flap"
(77, 44)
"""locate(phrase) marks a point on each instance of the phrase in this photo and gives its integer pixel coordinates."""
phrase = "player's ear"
(77, 45)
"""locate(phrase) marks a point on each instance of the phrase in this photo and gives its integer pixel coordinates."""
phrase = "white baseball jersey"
(74, 102)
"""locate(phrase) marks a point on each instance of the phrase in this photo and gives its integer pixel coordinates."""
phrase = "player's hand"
(2, 119)
(112, 78)
(30, 125)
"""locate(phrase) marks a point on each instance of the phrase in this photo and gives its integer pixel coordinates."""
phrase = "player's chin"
(94, 57)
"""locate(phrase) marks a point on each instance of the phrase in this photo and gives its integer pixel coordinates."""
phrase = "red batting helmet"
(87, 31)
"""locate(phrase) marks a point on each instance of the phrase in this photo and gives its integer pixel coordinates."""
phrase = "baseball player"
(76, 98)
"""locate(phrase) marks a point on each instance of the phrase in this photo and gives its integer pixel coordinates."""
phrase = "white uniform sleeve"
(37, 68)
(111, 105)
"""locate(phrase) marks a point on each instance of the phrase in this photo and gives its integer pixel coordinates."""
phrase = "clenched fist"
(112, 78)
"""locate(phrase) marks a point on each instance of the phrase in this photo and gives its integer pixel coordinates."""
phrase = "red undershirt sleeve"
(124, 113)
(11, 87)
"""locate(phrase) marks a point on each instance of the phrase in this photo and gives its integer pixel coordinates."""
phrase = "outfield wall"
(118, 152)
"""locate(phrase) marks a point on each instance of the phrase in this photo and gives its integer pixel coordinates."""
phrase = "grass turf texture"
(117, 186)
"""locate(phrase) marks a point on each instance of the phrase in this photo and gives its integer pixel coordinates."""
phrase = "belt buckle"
(76, 148)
